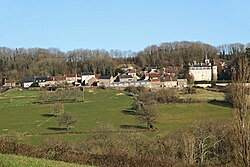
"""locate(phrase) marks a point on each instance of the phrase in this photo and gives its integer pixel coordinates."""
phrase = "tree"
(148, 115)
(58, 109)
(240, 100)
(66, 120)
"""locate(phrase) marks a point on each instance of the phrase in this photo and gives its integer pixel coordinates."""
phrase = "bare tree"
(58, 109)
(66, 120)
(147, 114)
(240, 97)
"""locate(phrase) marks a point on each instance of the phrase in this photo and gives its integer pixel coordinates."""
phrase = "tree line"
(20, 62)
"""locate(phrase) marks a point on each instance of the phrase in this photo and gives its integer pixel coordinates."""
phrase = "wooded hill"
(20, 62)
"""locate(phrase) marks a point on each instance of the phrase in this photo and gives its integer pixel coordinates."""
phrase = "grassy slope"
(21, 161)
(101, 107)
(174, 116)
(204, 95)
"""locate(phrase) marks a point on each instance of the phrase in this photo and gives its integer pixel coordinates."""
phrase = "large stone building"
(203, 71)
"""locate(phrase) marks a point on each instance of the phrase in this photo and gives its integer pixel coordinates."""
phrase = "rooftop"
(125, 76)
(105, 76)
(88, 73)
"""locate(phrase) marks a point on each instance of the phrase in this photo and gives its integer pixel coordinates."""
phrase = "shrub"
(160, 95)
(35, 84)
(74, 95)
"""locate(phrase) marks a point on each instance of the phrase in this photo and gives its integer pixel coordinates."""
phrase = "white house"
(86, 76)
(203, 71)
(27, 81)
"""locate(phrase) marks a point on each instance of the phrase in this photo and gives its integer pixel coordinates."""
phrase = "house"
(106, 80)
(155, 76)
(203, 71)
(58, 80)
(55, 80)
(146, 75)
(42, 81)
(126, 78)
(86, 76)
(132, 72)
(71, 78)
(93, 81)
(9, 83)
(127, 67)
(27, 81)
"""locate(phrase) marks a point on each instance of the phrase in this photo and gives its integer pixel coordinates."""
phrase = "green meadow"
(101, 108)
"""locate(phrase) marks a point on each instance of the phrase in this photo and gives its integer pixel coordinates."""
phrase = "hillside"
(22, 161)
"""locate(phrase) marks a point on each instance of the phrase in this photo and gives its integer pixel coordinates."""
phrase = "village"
(88, 83)
(152, 77)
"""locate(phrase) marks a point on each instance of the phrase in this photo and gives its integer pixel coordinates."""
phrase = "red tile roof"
(10, 81)
(155, 80)
(60, 78)
(97, 76)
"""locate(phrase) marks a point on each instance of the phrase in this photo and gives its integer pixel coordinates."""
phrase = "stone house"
(9, 83)
(106, 80)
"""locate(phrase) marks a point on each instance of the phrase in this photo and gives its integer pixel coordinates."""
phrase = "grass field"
(21, 161)
(204, 95)
(101, 107)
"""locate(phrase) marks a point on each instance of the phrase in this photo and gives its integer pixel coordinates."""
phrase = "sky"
(121, 24)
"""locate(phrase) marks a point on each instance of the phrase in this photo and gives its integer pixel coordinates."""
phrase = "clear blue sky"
(121, 24)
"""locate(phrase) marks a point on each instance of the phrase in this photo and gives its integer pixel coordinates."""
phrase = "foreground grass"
(101, 108)
(22, 161)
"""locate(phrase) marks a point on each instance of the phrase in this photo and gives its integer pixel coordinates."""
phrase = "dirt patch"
(91, 90)
(120, 94)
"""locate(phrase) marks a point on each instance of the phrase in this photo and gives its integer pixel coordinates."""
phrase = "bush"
(74, 95)
(135, 90)
(150, 96)
(190, 90)
(35, 84)
(9, 143)
(204, 144)
(102, 87)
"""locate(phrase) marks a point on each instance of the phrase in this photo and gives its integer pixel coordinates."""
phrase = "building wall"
(203, 85)
(27, 84)
(127, 79)
(106, 82)
(201, 73)
(126, 84)
(170, 84)
(91, 81)
(214, 73)
(11, 84)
